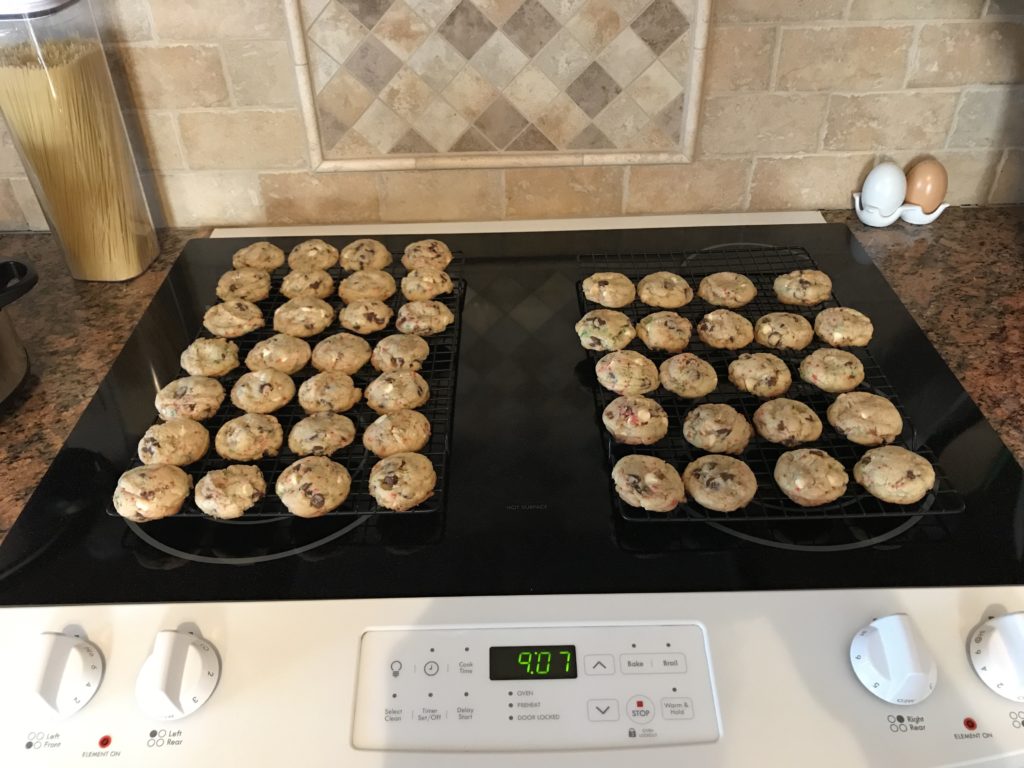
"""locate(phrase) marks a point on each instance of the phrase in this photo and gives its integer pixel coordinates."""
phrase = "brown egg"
(926, 184)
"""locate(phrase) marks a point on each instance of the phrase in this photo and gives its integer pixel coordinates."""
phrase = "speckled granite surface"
(73, 332)
(962, 278)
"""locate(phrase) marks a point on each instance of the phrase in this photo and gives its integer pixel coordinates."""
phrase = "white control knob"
(996, 649)
(890, 660)
(70, 672)
(179, 676)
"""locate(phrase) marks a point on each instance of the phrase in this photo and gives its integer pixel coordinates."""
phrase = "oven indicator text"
(533, 662)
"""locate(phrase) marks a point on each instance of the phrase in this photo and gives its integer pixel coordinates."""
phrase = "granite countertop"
(962, 278)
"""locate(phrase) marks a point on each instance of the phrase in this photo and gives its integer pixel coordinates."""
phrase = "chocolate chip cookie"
(865, 419)
(229, 493)
(303, 317)
(245, 284)
(210, 357)
(403, 431)
(280, 352)
(787, 422)
(328, 391)
(627, 373)
(843, 327)
(365, 317)
(810, 477)
(424, 318)
(313, 486)
(249, 437)
(341, 352)
(832, 370)
(427, 253)
(720, 483)
(263, 391)
(895, 475)
(783, 330)
(313, 255)
(648, 483)
(688, 376)
(664, 289)
(635, 420)
(761, 374)
(364, 254)
(367, 285)
(177, 441)
(232, 319)
(321, 434)
(190, 397)
(316, 283)
(723, 329)
(397, 390)
(425, 283)
(664, 331)
(400, 352)
(604, 330)
(151, 492)
(803, 287)
(402, 481)
(609, 289)
(717, 428)
(727, 289)
(261, 255)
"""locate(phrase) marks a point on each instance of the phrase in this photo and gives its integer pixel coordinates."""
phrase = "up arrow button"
(599, 664)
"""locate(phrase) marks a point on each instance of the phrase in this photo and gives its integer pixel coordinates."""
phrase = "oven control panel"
(534, 688)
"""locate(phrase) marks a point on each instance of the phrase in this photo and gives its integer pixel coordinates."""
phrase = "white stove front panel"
(768, 677)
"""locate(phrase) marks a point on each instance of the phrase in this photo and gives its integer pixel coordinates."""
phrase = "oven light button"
(996, 650)
(179, 676)
(892, 662)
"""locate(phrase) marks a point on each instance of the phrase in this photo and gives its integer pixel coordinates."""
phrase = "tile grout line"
(624, 198)
(748, 192)
(961, 98)
(995, 176)
(912, 55)
(776, 55)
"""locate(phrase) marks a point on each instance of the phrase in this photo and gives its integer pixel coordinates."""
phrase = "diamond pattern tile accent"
(660, 25)
(373, 64)
(396, 77)
(531, 27)
(593, 90)
(466, 28)
(412, 144)
(367, 11)
(501, 122)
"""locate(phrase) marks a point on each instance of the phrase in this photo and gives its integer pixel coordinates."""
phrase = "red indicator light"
(105, 742)
(639, 703)
(970, 724)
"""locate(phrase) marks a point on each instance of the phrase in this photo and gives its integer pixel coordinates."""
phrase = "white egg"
(884, 189)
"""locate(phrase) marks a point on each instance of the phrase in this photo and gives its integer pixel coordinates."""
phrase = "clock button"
(640, 708)
(430, 668)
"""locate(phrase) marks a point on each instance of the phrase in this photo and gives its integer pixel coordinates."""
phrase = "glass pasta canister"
(58, 98)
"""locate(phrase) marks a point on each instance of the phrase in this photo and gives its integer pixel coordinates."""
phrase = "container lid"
(19, 8)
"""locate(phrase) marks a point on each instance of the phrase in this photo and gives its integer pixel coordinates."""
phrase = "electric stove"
(529, 611)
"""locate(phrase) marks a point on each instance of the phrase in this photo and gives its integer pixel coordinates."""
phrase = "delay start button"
(640, 709)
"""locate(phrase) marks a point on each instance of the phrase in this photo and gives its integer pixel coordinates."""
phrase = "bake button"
(640, 709)
(602, 710)
(599, 664)
(677, 709)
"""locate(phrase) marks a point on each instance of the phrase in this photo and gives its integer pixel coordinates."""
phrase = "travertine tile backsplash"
(800, 99)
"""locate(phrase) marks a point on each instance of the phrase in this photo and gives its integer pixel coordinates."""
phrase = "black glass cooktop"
(528, 507)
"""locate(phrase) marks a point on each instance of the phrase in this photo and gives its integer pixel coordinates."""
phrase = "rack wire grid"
(439, 371)
(762, 264)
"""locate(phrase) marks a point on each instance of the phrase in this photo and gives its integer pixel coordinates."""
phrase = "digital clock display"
(533, 662)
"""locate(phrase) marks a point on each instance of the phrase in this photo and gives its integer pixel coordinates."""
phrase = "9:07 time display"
(533, 662)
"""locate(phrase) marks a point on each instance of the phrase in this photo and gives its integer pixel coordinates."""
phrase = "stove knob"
(996, 650)
(70, 672)
(890, 660)
(179, 676)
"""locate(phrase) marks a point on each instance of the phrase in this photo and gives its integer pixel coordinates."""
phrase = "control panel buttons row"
(635, 664)
(640, 709)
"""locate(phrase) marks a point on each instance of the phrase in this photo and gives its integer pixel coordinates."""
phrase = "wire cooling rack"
(439, 371)
(762, 264)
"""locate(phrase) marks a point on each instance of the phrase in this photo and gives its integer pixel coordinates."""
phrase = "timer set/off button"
(431, 668)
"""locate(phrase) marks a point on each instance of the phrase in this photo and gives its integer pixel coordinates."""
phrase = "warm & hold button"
(677, 709)
(640, 709)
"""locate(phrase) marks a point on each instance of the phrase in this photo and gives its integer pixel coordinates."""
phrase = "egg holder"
(912, 214)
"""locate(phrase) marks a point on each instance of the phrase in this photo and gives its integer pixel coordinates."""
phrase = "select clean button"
(652, 663)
